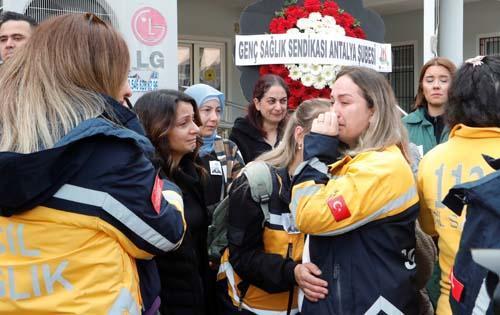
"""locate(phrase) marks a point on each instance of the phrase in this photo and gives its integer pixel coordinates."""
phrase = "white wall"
(200, 19)
(209, 19)
(481, 17)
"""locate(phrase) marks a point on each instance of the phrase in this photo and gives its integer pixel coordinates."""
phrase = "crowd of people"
(105, 207)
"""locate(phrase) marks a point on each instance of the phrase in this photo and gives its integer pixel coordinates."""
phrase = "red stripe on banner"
(457, 287)
(156, 194)
(338, 207)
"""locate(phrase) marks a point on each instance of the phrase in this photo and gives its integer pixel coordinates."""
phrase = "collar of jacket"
(101, 126)
(335, 167)
(464, 131)
(417, 117)
(243, 126)
(30, 179)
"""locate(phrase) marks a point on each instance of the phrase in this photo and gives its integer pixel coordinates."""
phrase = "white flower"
(324, 31)
(320, 83)
(304, 68)
(315, 25)
(328, 20)
(328, 73)
(295, 73)
(307, 79)
(315, 16)
(339, 30)
(309, 31)
(293, 31)
(316, 69)
(303, 23)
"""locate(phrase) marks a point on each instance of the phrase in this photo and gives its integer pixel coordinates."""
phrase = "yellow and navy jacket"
(470, 281)
(260, 260)
(360, 215)
(75, 219)
(456, 161)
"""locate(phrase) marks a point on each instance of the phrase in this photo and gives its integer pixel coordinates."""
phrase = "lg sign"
(149, 26)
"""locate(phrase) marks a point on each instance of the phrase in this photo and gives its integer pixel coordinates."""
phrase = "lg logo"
(149, 26)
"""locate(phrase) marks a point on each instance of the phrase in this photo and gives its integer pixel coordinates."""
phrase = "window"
(489, 45)
(43, 9)
(402, 77)
(202, 62)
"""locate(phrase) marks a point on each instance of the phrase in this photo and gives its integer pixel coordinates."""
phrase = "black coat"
(249, 140)
(183, 272)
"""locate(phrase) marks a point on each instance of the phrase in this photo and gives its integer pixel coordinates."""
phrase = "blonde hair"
(54, 82)
(284, 154)
(385, 127)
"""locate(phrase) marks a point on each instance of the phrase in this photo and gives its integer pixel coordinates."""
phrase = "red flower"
(293, 102)
(312, 5)
(325, 93)
(277, 26)
(345, 20)
(291, 22)
(280, 70)
(359, 33)
(330, 5)
(331, 12)
(295, 12)
(264, 69)
(312, 93)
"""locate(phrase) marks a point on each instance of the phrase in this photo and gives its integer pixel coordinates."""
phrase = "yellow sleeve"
(425, 217)
(366, 191)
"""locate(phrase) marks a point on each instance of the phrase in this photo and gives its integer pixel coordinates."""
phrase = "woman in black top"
(171, 121)
(260, 130)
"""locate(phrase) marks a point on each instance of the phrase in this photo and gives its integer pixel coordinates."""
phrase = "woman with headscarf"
(221, 157)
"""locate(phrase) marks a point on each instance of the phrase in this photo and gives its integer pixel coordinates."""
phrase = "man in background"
(15, 30)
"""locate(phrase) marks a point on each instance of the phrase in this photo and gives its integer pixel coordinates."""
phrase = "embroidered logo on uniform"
(338, 208)
(156, 194)
(215, 168)
(456, 287)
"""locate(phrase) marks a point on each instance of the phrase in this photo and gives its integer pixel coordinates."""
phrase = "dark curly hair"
(474, 96)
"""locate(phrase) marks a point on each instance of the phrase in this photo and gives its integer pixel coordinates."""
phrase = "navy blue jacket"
(29, 180)
(469, 291)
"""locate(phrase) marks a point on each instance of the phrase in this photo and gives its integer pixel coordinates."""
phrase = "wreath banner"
(300, 48)
(302, 22)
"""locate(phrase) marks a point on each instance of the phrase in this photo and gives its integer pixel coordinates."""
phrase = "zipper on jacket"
(338, 292)
(290, 293)
(242, 294)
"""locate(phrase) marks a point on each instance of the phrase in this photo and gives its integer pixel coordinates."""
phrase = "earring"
(300, 146)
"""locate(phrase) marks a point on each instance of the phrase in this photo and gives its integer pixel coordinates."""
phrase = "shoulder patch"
(338, 207)
(156, 194)
(456, 287)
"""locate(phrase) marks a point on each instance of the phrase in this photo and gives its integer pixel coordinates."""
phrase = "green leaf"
(341, 11)
(279, 13)
(357, 24)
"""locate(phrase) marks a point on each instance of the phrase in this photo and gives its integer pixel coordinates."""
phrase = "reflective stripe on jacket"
(360, 215)
(81, 213)
(456, 161)
(264, 257)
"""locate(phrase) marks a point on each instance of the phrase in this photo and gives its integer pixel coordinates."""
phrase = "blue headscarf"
(201, 94)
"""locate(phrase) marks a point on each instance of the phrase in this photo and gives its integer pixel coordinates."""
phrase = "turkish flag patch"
(156, 194)
(338, 208)
(457, 287)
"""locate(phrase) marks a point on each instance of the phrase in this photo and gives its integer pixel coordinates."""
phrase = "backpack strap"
(260, 180)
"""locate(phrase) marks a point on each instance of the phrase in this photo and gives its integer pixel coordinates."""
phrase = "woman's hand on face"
(314, 288)
(326, 124)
